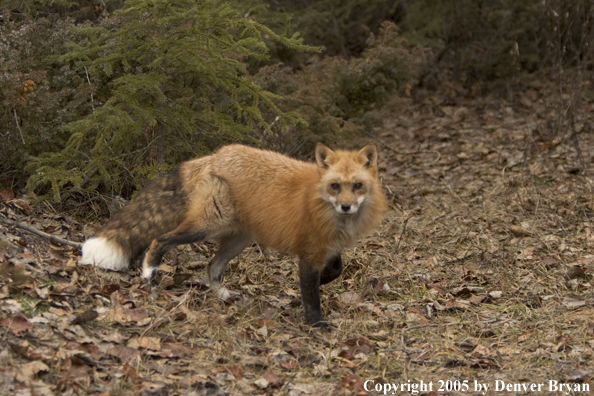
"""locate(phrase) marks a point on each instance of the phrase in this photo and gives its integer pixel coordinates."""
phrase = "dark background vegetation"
(97, 97)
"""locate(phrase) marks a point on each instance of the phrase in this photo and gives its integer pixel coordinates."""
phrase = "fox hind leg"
(181, 235)
(211, 212)
(230, 246)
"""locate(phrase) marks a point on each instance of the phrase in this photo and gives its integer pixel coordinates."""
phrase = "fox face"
(347, 178)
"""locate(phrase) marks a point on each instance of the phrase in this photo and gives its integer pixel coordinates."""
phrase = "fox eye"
(335, 186)
(357, 186)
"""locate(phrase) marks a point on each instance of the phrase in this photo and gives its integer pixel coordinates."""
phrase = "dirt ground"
(479, 282)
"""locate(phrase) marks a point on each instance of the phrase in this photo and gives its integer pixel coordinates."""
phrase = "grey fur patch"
(159, 208)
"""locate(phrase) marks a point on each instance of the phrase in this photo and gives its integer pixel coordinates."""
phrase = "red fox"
(241, 194)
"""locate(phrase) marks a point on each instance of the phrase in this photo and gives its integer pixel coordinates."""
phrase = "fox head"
(348, 178)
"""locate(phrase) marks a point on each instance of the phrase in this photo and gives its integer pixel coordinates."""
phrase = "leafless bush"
(566, 64)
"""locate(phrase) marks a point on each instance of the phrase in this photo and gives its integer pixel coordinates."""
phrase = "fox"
(239, 195)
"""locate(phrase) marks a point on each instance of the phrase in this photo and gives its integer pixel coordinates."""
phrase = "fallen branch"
(42, 234)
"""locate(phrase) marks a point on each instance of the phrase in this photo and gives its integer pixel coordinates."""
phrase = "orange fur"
(280, 200)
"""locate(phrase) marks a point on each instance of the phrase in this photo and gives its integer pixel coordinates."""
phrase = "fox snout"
(348, 208)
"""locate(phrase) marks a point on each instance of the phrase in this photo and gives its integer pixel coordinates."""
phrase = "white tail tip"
(104, 253)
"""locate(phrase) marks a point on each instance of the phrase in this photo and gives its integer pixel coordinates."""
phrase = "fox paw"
(325, 326)
(223, 294)
(319, 322)
(149, 275)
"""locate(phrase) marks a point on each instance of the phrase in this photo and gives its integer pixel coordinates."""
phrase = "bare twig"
(42, 234)
(90, 85)
(16, 120)
(404, 347)
(433, 220)
(402, 235)
(157, 320)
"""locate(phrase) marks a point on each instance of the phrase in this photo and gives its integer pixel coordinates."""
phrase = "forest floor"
(478, 282)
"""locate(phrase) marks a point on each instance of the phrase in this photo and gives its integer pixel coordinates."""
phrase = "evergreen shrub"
(169, 82)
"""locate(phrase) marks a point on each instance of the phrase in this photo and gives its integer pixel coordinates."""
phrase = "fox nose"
(345, 207)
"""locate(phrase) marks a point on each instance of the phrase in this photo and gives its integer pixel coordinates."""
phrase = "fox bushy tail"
(159, 208)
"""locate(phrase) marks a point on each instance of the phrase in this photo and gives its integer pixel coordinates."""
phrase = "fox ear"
(368, 156)
(324, 156)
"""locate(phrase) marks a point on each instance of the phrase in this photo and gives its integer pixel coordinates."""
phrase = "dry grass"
(482, 271)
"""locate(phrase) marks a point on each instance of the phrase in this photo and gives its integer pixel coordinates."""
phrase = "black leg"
(310, 294)
(332, 270)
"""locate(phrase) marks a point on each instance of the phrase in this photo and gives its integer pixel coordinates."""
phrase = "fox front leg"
(309, 280)
(332, 270)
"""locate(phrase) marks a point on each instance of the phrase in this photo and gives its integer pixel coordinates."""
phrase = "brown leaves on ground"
(17, 324)
(482, 270)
